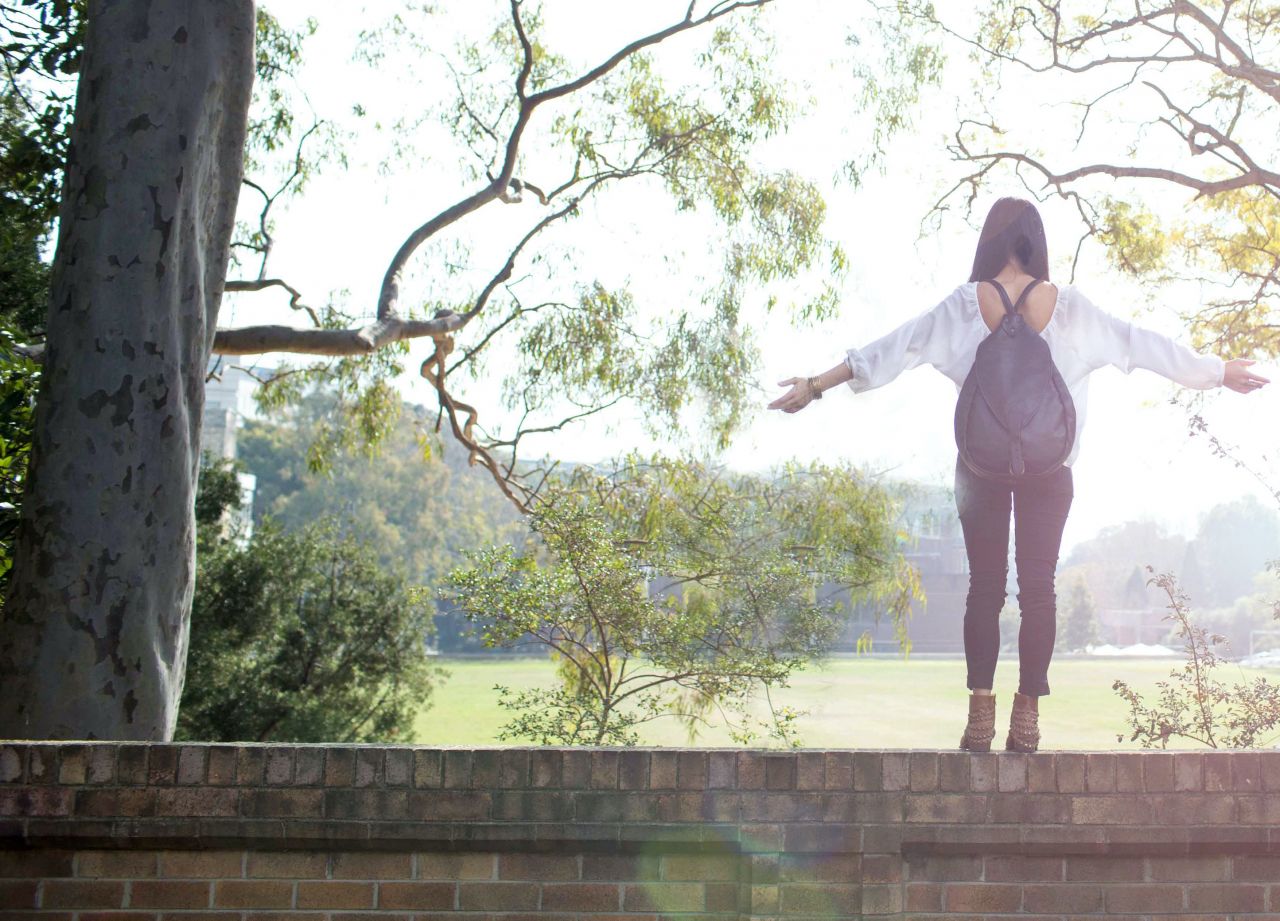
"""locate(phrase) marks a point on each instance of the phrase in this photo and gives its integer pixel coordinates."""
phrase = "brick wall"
(126, 832)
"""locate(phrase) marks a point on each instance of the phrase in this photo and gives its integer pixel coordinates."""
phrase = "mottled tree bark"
(94, 636)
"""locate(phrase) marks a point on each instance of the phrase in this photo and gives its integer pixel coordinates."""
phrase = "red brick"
(287, 865)
(306, 803)
(116, 864)
(1010, 868)
(168, 894)
(946, 807)
(604, 770)
(43, 802)
(1041, 777)
(700, 867)
(371, 866)
(191, 764)
(1110, 810)
(828, 899)
(1227, 897)
(253, 893)
(816, 868)
(1194, 809)
(340, 766)
(1105, 869)
(881, 868)
(34, 864)
(982, 897)
(924, 897)
(663, 897)
(11, 763)
(201, 864)
(1011, 775)
(895, 770)
(692, 768)
(953, 772)
(581, 897)
(1188, 771)
(722, 897)
(1145, 899)
(1157, 772)
(946, 869)
(417, 896)
(1061, 898)
(538, 867)
(335, 895)
(456, 866)
(881, 900)
(1256, 868)
(18, 894)
(221, 765)
(1071, 770)
(620, 867)
(497, 896)
(837, 770)
(1128, 773)
(81, 893)
(104, 916)
(924, 771)
(1190, 869)
(73, 764)
(197, 801)
(370, 769)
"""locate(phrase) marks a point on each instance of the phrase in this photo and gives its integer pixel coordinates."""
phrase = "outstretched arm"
(925, 339)
(1103, 339)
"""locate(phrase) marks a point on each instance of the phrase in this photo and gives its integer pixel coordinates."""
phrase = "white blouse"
(1081, 338)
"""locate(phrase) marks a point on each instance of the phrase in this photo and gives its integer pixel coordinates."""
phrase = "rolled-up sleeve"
(926, 339)
(1103, 339)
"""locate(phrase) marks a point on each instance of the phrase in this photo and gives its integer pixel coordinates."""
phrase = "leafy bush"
(1195, 704)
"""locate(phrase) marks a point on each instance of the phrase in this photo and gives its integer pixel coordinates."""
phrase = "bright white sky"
(1136, 459)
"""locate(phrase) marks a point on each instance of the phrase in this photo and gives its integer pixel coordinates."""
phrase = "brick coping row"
(134, 764)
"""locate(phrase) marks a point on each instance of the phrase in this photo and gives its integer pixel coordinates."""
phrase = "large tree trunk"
(93, 642)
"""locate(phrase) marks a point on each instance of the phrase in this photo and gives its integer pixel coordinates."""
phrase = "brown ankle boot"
(982, 723)
(1024, 727)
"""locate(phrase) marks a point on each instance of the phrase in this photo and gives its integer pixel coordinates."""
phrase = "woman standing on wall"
(1023, 404)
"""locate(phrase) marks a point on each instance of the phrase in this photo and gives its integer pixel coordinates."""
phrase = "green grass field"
(851, 703)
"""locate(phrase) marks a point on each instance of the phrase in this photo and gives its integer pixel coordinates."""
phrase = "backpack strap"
(1009, 307)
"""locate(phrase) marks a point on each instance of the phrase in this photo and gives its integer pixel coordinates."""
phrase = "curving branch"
(262, 284)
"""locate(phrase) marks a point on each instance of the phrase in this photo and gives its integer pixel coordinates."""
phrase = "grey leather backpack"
(1015, 419)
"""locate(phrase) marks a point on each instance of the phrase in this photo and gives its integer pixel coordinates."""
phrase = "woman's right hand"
(1239, 378)
(797, 398)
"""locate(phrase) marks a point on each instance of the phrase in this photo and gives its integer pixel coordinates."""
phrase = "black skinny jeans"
(1040, 513)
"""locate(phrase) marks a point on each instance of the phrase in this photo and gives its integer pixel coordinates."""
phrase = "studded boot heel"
(1024, 726)
(982, 723)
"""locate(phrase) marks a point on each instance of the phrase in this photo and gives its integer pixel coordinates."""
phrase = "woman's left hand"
(1239, 378)
(795, 399)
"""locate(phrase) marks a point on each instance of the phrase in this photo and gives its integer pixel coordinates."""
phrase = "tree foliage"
(396, 495)
(302, 636)
(1078, 622)
(667, 588)
(1195, 704)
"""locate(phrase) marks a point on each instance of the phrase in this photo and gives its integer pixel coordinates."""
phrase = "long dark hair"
(1012, 228)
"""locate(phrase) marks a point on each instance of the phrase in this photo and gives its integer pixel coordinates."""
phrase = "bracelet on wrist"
(815, 392)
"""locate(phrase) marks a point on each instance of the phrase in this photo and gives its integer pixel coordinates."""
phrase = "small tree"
(1078, 626)
(739, 612)
(1194, 704)
(299, 637)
